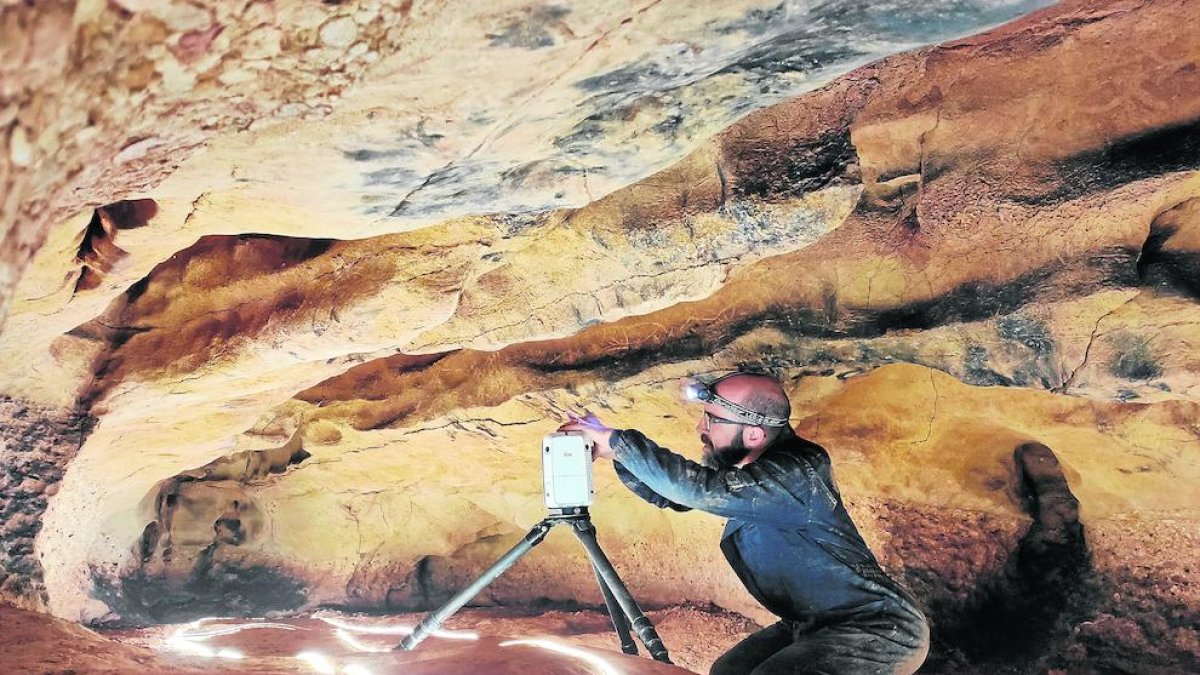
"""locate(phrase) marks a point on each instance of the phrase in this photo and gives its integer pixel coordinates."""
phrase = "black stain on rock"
(1155, 152)
(515, 224)
(392, 176)
(371, 155)
(463, 184)
(1146, 154)
(1045, 587)
(1133, 358)
(912, 21)
(215, 587)
(800, 51)
(176, 580)
(541, 173)
(974, 301)
(756, 21)
(418, 592)
(616, 114)
(539, 27)
(807, 165)
(1028, 331)
(669, 126)
(632, 78)
(976, 370)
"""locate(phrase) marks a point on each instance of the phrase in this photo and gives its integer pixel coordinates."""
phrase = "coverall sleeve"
(642, 490)
(757, 492)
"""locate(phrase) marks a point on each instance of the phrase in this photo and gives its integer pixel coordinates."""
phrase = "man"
(789, 538)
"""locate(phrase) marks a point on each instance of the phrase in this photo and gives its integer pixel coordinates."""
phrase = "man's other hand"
(594, 430)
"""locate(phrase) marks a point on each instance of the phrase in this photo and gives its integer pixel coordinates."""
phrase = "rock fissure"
(944, 255)
(1065, 386)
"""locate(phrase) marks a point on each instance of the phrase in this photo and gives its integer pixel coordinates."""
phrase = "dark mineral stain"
(1028, 331)
(215, 587)
(1156, 151)
(1043, 590)
(756, 21)
(1133, 358)
(418, 593)
(1136, 157)
(802, 51)
(393, 176)
(973, 301)
(370, 155)
(535, 30)
(217, 584)
(459, 183)
(976, 370)
(913, 21)
(669, 127)
(805, 166)
(635, 77)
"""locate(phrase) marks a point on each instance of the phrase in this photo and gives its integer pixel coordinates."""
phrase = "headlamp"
(697, 390)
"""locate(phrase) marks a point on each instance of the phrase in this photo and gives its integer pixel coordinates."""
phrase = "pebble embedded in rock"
(339, 32)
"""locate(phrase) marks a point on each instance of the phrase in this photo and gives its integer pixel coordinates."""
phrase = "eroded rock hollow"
(292, 291)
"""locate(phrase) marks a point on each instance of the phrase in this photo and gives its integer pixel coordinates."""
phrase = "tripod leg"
(587, 536)
(434, 620)
(620, 622)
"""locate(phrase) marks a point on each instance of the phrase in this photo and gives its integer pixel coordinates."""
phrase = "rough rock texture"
(36, 444)
(412, 111)
(322, 352)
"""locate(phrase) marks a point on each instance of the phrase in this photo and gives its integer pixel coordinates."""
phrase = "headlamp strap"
(751, 417)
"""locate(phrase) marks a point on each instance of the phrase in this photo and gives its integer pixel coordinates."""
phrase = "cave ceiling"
(292, 290)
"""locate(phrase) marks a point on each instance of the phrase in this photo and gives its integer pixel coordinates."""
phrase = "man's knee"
(740, 660)
(746, 655)
(725, 665)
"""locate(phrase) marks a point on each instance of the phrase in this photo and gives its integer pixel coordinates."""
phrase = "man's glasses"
(710, 419)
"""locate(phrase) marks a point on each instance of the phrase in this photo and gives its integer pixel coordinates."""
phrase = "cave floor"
(491, 640)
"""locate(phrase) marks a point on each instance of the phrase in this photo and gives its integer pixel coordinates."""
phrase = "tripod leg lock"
(650, 638)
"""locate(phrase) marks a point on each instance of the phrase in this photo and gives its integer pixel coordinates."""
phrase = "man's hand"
(594, 430)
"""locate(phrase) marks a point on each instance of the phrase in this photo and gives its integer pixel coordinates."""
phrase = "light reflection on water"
(327, 642)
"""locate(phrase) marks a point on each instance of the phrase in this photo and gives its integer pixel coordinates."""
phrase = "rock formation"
(301, 291)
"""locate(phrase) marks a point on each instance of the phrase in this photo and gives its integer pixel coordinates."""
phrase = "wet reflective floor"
(473, 641)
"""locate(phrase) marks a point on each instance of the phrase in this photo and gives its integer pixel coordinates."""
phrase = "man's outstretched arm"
(642, 490)
(598, 433)
(759, 491)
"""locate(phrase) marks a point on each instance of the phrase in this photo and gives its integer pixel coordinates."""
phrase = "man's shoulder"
(797, 444)
(794, 450)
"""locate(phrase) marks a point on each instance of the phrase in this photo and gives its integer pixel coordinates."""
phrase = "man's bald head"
(729, 441)
(762, 394)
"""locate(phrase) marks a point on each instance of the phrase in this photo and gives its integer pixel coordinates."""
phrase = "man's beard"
(725, 458)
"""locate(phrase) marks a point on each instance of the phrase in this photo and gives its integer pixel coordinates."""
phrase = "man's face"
(722, 438)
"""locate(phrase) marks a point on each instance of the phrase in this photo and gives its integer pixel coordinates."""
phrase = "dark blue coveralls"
(795, 548)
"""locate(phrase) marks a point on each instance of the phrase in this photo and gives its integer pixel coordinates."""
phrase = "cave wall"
(974, 265)
(36, 445)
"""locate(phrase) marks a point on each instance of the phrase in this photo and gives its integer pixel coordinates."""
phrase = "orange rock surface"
(293, 293)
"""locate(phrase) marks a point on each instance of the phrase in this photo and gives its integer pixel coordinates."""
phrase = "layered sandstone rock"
(322, 352)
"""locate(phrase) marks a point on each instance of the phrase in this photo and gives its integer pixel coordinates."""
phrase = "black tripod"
(622, 608)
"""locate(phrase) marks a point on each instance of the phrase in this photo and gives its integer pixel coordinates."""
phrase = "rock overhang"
(983, 209)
